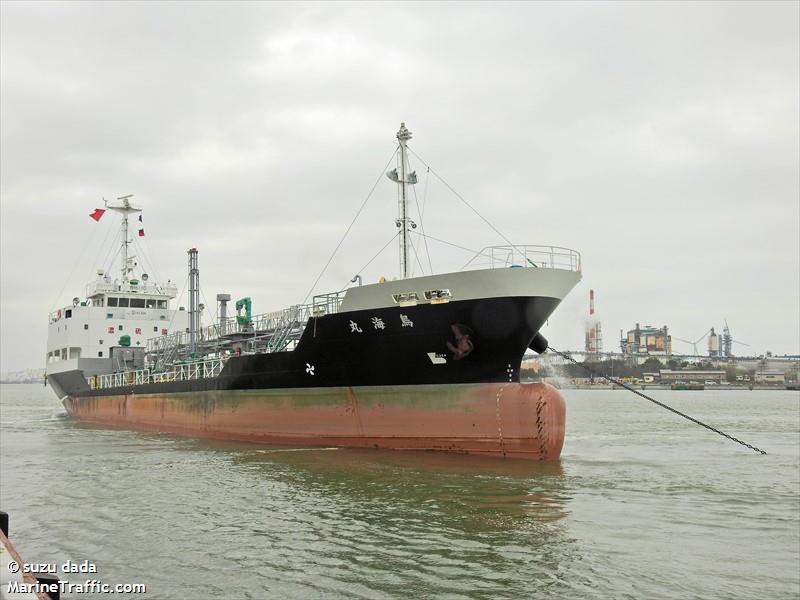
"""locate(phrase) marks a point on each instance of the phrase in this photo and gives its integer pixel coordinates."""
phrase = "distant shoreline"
(656, 386)
(602, 386)
(755, 388)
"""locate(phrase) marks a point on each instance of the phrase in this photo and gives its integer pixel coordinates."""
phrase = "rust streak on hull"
(511, 419)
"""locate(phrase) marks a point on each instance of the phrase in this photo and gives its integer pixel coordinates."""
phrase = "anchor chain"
(654, 401)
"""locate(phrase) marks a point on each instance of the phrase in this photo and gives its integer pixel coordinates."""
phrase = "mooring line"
(654, 401)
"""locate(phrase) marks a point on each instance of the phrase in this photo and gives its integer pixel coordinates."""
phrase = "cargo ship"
(426, 362)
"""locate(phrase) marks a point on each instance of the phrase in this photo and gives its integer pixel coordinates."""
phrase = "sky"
(660, 140)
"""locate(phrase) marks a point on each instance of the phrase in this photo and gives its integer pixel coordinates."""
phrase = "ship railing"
(140, 287)
(259, 327)
(201, 369)
(275, 331)
(542, 257)
(327, 304)
(322, 304)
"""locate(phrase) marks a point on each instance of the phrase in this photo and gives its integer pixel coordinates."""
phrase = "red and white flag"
(141, 233)
(97, 213)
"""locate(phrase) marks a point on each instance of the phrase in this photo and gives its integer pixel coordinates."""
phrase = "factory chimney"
(594, 332)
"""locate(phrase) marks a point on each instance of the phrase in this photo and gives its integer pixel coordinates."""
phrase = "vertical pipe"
(223, 300)
(194, 301)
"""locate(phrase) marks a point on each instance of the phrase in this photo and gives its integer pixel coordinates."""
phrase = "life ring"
(59, 314)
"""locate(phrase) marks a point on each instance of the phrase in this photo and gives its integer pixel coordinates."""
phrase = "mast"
(403, 178)
(125, 208)
(125, 243)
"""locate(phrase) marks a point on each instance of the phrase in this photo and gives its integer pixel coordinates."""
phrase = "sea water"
(642, 504)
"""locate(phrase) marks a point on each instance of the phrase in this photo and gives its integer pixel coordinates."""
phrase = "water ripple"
(641, 505)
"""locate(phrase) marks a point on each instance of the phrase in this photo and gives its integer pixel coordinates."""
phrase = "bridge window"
(100, 354)
(68, 313)
(113, 301)
(162, 304)
(124, 302)
(151, 303)
(137, 302)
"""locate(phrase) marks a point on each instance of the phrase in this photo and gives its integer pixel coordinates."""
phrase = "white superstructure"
(80, 335)
(88, 328)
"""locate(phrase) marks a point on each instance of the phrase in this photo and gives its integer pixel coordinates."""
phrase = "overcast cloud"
(661, 140)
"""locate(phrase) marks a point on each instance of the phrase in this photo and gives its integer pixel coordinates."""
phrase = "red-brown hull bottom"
(512, 419)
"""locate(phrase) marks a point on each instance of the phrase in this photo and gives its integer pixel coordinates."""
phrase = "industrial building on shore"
(668, 376)
(647, 340)
(769, 377)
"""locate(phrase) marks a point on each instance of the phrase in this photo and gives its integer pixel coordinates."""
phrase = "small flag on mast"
(141, 233)
(97, 213)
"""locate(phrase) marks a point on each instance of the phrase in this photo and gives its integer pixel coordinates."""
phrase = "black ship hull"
(459, 342)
